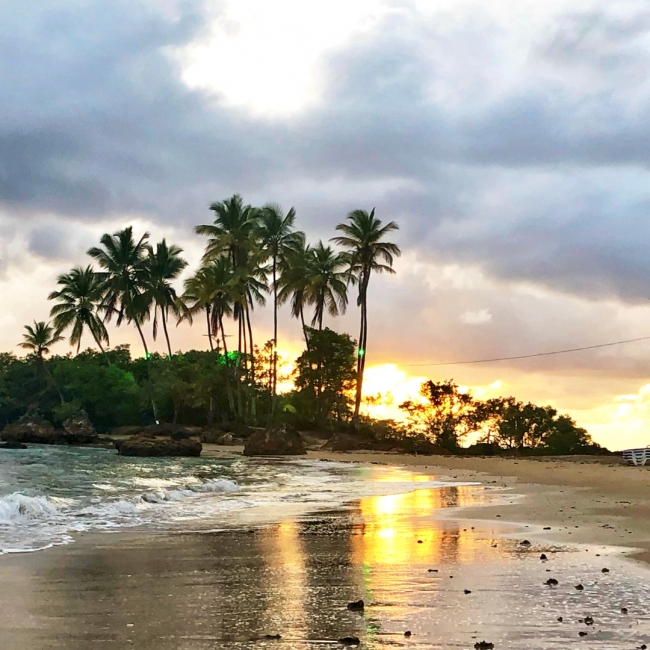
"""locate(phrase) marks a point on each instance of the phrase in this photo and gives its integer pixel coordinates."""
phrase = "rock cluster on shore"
(282, 440)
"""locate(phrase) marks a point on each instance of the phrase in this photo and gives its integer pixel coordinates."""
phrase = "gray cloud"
(532, 169)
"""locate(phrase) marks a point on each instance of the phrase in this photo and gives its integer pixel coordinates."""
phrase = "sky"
(510, 141)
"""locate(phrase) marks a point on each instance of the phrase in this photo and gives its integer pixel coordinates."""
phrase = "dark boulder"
(155, 446)
(31, 427)
(282, 440)
(79, 430)
(350, 640)
(356, 606)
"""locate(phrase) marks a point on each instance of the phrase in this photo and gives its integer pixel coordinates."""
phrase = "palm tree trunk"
(164, 324)
(231, 399)
(254, 394)
(304, 327)
(274, 375)
(144, 342)
(207, 317)
(361, 350)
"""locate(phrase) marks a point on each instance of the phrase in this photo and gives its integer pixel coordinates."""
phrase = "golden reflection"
(398, 528)
(283, 549)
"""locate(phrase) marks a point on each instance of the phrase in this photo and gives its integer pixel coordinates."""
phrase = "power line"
(528, 356)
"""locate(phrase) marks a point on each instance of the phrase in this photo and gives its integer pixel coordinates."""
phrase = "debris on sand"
(350, 640)
(551, 582)
(579, 587)
(356, 606)
(483, 645)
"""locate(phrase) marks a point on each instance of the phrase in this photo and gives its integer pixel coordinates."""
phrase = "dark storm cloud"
(534, 170)
(95, 118)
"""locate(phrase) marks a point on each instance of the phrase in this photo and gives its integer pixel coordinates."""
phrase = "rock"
(407, 634)
(579, 587)
(148, 446)
(79, 430)
(551, 582)
(350, 640)
(559, 619)
(605, 570)
(273, 636)
(432, 570)
(543, 557)
(467, 591)
(623, 610)
(588, 620)
(524, 543)
(31, 427)
(582, 633)
(357, 606)
(217, 437)
(282, 440)
(483, 645)
(13, 445)
(347, 442)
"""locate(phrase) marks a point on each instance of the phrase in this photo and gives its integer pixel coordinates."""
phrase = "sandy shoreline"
(200, 590)
(583, 499)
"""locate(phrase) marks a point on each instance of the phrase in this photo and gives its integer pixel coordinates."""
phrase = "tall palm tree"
(277, 238)
(161, 266)
(294, 281)
(123, 278)
(327, 283)
(234, 230)
(78, 302)
(235, 233)
(39, 339)
(363, 237)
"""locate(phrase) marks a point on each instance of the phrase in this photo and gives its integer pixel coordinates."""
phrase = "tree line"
(250, 253)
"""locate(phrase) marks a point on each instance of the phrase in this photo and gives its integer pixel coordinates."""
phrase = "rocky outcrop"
(282, 440)
(79, 430)
(31, 427)
(156, 446)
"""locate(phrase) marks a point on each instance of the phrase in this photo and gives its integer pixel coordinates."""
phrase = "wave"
(18, 508)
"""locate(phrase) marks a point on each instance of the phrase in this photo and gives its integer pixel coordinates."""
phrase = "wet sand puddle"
(451, 583)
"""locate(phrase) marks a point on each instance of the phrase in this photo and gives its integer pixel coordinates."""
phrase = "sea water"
(49, 493)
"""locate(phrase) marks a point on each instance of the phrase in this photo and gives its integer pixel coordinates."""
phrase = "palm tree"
(123, 278)
(234, 231)
(277, 237)
(294, 281)
(367, 253)
(163, 265)
(79, 299)
(327, 283)
(211, 289)
(39, 339)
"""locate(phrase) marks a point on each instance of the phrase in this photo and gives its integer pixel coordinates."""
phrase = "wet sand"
(584, 499)
(228, 589)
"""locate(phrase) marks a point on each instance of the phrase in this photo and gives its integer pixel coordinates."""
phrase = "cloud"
(476, 317)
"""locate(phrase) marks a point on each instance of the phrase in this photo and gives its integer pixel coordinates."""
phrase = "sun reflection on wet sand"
(452, 582)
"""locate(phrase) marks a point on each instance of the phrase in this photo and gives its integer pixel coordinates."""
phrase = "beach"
(450, 564)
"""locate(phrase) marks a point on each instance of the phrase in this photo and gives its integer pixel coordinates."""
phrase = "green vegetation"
(250, 253)
(447, 417)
